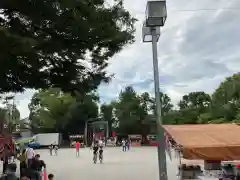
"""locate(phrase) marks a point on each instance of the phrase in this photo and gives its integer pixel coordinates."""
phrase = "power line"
(197, 10)
(206, 9)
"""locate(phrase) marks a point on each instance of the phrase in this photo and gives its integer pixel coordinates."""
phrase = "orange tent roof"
(205, 135)
(207, 141)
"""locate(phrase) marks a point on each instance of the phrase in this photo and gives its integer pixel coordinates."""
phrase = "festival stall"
(212, 143)
(208, 141)
(152, 140)
(135, 139)
(76, 137)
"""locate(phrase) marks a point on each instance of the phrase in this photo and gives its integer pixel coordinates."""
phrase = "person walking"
(95, 152)
(100, 143)
(77, 148)
(123, 145)
(128, 144)
(30, 155)
(56, 149)
(36, 167)
(51, 149)
(101, 154)
(23, 162)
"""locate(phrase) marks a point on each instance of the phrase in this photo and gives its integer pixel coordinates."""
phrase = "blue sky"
(196, 51)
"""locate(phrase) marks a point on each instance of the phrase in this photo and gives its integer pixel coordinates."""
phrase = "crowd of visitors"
(31, 166)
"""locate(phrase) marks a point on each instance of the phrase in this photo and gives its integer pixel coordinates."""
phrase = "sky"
(198, 48)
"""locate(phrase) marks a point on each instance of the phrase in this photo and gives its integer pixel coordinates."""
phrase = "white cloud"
(197, 50)
(22, 100)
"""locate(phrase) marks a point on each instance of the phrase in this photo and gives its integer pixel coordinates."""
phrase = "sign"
(76, 136)
(135, 136)
(135, 139)
(151, 137)
(152, 140)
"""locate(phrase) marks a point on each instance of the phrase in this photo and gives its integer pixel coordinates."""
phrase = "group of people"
(53, 147)
(125, 145)
(31, 166)
(98, 150)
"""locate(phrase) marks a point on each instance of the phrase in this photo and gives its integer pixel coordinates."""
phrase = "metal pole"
(160, 132)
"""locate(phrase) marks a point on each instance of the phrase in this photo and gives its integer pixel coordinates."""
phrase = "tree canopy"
(9, 116)
(64, 44)
(134, 113)
(54, 110)
(133, 110)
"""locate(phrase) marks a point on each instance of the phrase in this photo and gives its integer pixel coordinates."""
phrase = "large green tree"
(129, 112)
(107, 115)
(197, 100)
(226, 100)
(166, 104)
(9, 115)
(85, 108)
(49, 108)
(54, 110)
(64, 44)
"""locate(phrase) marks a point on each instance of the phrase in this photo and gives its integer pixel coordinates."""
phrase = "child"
(50, 177)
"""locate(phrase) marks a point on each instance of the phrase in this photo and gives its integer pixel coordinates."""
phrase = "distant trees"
(132, 112)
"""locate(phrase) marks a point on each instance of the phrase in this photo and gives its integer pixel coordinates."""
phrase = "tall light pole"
(156, 14)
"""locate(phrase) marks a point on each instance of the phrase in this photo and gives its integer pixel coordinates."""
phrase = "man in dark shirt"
(36, 167)
(51, 149)
(95, 149)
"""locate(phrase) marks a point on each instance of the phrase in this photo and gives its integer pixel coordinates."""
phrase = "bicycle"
(101, 158)
(95, 158)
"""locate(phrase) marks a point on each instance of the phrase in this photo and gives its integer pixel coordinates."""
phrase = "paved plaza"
(136, 164)
(140, 163)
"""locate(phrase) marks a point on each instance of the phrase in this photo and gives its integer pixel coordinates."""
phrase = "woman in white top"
(30, 155)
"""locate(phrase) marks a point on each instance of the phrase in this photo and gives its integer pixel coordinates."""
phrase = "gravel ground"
(140, 163)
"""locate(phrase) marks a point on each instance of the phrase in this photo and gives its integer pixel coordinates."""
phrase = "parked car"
(33, 145)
